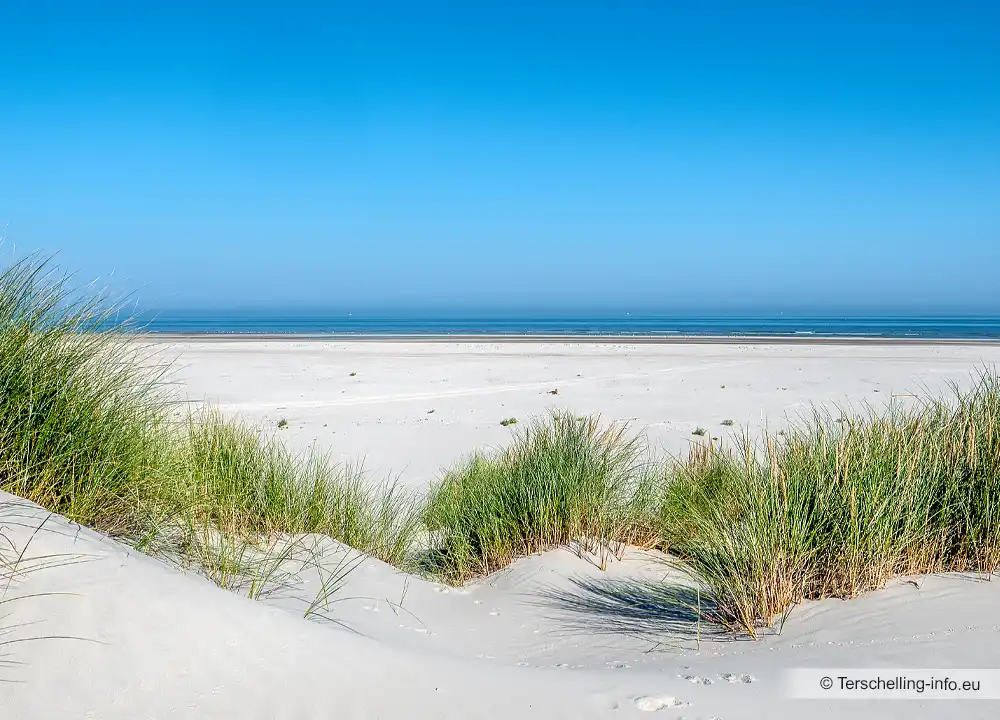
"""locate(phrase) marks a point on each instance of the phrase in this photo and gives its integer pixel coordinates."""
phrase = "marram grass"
(835, 509)
(81, 410)
(831, 507)
(563, 479)
(233, 477)
(89, 430)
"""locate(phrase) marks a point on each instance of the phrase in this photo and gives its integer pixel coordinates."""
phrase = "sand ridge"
(121, 635)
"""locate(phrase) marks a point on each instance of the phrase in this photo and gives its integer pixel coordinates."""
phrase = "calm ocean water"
(316, 323)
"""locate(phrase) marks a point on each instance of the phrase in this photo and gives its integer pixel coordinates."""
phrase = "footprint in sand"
(734, 678)
(652, 703)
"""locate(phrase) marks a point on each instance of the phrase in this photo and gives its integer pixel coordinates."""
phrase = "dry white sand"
(551, 637)
(413, 408)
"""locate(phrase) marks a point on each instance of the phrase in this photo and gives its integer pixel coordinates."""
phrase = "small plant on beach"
(562, 480)
(354, 374)
(282, 424)
(238, 564)
(699, 431)
(728, 423)
(508, 421)
(333, 570)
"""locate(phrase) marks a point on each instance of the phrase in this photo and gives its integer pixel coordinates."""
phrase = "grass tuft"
(838, 505)
(562, 480)
(82, 409)
(88, 430)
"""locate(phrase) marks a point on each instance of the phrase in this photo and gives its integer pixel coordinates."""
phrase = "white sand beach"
(98, 630)
(414, 408)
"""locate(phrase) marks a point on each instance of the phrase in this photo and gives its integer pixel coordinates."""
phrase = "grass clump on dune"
(82, 411)
(838, 508)
(563, 479)
(234, 478)
(89, 430)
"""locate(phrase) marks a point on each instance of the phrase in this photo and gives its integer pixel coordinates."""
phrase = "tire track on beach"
(469, 392)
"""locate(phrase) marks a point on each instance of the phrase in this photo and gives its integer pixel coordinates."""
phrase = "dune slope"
(95, 629)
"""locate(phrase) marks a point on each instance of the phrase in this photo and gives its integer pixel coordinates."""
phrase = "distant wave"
(249, 323)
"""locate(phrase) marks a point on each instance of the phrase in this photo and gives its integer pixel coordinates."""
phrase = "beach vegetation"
(833, 505)
(562, 480)
(235, 479)
(82, 409)
(835, 509)
(89, 429)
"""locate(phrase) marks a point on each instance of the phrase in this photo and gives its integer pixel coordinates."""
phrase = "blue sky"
(643, 156)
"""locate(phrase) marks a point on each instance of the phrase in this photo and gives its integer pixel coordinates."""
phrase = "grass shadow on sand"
(17, 562)
(656, 612)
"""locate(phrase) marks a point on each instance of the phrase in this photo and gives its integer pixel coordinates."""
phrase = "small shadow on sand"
(657, 612)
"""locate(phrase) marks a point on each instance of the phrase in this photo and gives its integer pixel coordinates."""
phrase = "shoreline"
(567, 339)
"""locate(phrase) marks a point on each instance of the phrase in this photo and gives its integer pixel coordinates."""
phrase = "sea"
(318, 323)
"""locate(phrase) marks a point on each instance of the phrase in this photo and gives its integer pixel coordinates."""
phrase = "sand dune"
(123, 636)
(95, 629)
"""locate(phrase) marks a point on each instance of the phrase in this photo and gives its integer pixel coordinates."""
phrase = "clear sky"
(645, 156)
